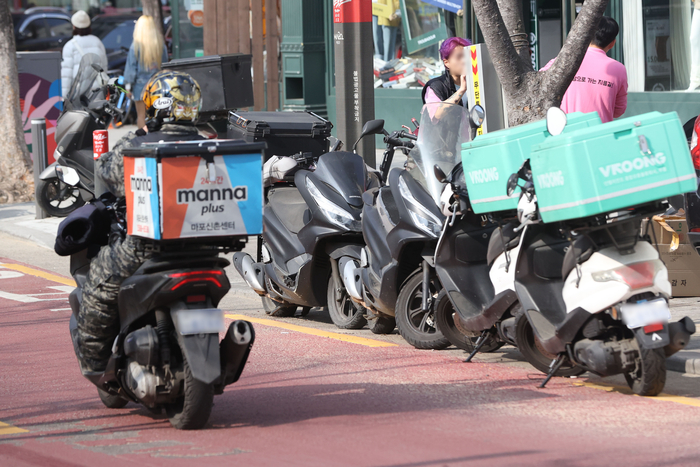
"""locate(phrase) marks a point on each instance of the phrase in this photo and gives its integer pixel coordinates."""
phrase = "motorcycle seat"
(289, 206)
(496, 244)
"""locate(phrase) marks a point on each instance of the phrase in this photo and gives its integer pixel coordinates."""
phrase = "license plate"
(639, 314)
(200, 321)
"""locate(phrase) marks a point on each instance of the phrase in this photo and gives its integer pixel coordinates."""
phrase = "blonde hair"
(148, 43)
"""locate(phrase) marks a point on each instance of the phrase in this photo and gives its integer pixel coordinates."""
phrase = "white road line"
(28, 299)
(7, 274)
(60, 309)
(62, 288)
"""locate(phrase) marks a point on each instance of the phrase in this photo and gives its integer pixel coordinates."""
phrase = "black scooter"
(312, 230)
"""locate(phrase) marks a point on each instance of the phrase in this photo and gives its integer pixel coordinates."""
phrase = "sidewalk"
(18, 220)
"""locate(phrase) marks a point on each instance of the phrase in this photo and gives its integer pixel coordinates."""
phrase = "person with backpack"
(82, 43)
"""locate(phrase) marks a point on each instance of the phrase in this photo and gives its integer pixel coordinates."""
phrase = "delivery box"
(190, 190)
(612, 166)
(490, 159)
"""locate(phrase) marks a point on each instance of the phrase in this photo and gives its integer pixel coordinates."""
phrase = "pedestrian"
(172, 119)
(83, 42)
(146, 56)
(389, 28)
(452, 85)
(600, 84)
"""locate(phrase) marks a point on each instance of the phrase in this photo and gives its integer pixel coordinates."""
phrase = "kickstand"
(479, 344)
(553, 368)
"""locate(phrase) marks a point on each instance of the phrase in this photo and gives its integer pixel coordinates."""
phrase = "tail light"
(696, 229)
(635, 275)
(182, 278)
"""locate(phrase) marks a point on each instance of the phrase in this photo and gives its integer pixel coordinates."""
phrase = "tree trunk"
(16, 183)
(153, 8)
(530, 93)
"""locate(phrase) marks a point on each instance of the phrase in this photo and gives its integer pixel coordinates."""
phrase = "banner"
(449, 5)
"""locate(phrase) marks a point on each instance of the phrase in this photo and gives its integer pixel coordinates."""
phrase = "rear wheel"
(531, 348)
(344, 312)
(444, 319)
(381, 325)
(649, 378)
(110, 401)
(278, 309)
(192, 410)
(415, 325)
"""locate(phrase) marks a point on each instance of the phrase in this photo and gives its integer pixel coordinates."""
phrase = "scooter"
(312, 230)
(401, 225)
(594, 292)
(167, 355)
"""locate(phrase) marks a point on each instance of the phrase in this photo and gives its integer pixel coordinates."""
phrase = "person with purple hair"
(451, 86)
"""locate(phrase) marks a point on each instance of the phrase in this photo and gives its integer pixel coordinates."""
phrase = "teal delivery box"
(612, 166)
(490, 159)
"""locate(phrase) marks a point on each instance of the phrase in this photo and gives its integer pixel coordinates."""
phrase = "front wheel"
(649, 378)
(192, 410)
(531, 348)
(278, 309)
(58, 199)
(382, 325)
(344, 312)
(444, 319)
(415, 325)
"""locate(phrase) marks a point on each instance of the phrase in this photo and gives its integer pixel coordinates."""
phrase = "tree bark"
(16, 183)
(530, 93)
(153, 8)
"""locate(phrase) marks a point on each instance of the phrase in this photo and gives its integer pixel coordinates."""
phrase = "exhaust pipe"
(679, 334)
(351, 278)
(234, 350)
(250, 271)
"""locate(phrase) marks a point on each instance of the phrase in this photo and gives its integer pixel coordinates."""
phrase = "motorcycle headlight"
(424, 219)
(332, 211)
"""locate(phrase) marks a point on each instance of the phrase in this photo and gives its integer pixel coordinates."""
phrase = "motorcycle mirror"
(439, 174)
(68, 175)
(372, 127)
(556, 121)
(512, 184)
(477, 114)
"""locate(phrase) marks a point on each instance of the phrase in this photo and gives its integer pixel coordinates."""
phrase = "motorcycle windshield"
(443, 129)
(84, 88)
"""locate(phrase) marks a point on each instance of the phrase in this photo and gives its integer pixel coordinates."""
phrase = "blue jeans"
(389, 39)
(378, 38)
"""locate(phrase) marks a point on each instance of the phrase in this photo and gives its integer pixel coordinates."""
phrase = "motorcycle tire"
(415, 326)
(278, 309)
(649, 378)
(110, 401)
(345, 313)
(192, 410)
(444, 311)
(532, 350)
(382, 325)
(49, 192)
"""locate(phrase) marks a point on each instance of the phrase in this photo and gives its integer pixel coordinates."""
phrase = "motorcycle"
(594, 292)
(312, 230)
(167, 355)
(402, 221)
(90, 105)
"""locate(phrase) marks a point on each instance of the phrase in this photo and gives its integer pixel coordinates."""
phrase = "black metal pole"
(41, 158)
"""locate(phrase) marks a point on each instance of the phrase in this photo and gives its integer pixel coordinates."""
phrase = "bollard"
(40, 158)
(100, 145)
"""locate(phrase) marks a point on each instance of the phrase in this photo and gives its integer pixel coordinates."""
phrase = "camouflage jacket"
(111, 168)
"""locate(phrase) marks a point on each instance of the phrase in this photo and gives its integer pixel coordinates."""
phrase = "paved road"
(311, 395)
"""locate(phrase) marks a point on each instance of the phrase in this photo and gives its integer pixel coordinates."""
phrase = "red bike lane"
(311, 400)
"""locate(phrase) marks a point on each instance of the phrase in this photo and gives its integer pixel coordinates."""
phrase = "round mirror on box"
(556, 121)
(512, 184)
(477, 114)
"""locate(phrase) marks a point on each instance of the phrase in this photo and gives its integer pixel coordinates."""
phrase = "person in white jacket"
(83, 42)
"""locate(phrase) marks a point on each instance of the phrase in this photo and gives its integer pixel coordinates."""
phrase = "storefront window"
(407, 34)
(670, 57)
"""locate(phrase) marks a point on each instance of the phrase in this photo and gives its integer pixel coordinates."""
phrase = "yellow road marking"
(661, 397)
(316, 332)
(37, 273)
(6, 429)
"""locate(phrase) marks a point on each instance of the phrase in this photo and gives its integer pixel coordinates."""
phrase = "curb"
(687, 365)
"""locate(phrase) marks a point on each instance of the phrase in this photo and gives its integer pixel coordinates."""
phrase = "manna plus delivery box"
(613, 166)
(490, 159)
(189, 190)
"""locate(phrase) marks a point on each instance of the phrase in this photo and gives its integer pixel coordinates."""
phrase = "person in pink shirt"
(600, 85)
(451, 85)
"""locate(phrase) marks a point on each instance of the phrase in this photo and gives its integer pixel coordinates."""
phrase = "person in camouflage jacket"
(98, 318)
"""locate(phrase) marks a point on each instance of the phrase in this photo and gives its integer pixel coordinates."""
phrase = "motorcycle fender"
(653, 340)
(49, 172)
(202, 353)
